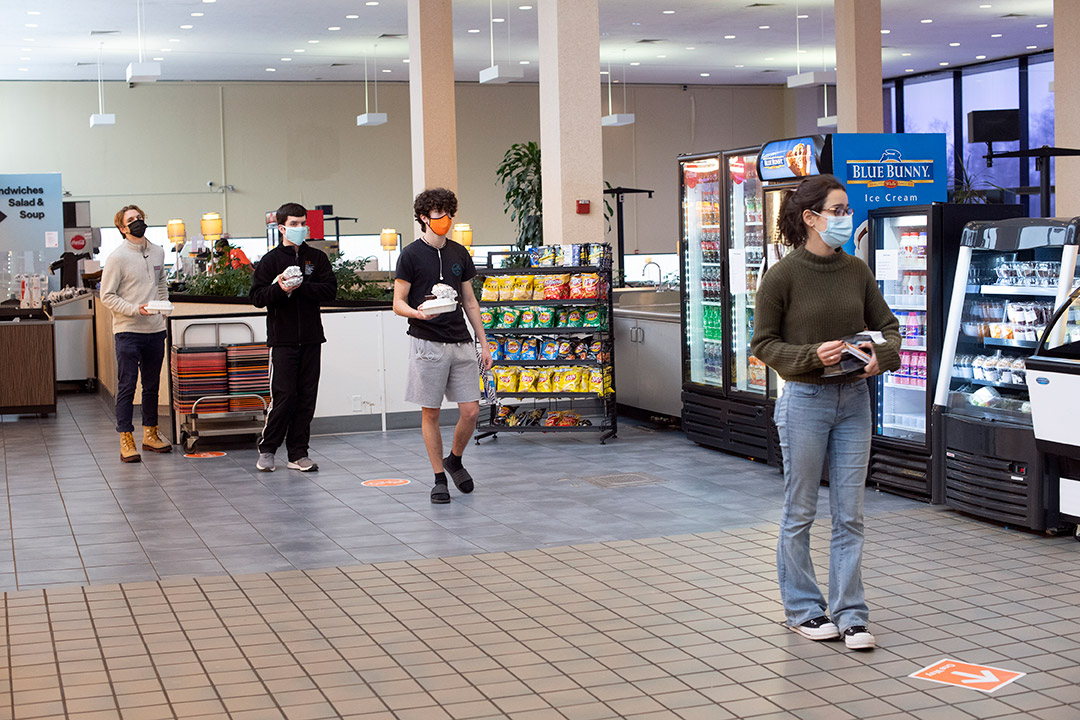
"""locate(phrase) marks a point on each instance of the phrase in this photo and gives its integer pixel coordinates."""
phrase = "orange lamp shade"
(388, 238)
(176, 230)
(463, 234)
(211, 226)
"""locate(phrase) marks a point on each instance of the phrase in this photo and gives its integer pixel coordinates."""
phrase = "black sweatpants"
(294, 387)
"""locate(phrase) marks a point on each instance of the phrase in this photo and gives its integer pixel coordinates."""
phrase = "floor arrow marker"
(985, 677)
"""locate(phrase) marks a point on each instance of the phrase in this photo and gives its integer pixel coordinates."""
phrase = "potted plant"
(519, 174)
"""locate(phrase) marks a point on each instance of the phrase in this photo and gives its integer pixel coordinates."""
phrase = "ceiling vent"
(103, 32)
(761, 5)
(84, 64)
(392, 36)
(1015, 15)
(340, 64)
(651, 41)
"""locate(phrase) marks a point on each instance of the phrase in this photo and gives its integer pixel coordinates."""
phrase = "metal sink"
(648, 300)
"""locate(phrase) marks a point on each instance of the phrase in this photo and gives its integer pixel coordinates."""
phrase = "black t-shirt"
(418, 264)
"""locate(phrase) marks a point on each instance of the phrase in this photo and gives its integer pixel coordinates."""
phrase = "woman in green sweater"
(807, 302)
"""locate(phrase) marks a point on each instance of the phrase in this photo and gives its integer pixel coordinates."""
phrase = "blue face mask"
(296, 235)
(838, 231)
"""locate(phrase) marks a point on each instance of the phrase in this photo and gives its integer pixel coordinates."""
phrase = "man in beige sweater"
(134, 275)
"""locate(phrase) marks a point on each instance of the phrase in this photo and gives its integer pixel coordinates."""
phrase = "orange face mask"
(440, 226)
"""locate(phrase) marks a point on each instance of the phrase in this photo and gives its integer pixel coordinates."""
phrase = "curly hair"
(809, 195)
(431, 200)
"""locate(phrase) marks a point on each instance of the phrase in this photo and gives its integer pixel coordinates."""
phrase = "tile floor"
(248, 595)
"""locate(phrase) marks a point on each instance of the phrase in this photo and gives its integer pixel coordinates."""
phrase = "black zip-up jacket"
(293, 318)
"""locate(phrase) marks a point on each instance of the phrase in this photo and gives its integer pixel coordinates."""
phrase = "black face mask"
(137, 228)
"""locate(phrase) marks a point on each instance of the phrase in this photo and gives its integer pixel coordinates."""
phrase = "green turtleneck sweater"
(805, 300)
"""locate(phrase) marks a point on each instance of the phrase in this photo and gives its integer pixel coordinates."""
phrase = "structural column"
(1067, 105)
(431, 94)
(570, 142)
(858, 66)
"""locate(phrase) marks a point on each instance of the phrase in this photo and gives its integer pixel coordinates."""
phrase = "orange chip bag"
(557, 287)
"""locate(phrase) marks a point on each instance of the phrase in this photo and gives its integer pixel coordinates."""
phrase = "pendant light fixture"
(142, 71)
(800, 78)
(370, 119)
(101, 118)
(613, 119)
(498, 74)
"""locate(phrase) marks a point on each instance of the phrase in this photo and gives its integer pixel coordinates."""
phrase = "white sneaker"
(820, 628)
(304, 464)
(266, 462)
(857, 637)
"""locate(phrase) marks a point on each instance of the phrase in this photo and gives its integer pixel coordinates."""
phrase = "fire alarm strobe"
(582, 207)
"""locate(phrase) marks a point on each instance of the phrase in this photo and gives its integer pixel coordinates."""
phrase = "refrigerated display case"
(912, 250)
(744, 238)
(1010, 276)
(702, 260)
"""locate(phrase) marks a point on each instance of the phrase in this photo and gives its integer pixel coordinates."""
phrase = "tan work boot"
(128, 453)
(153, 442)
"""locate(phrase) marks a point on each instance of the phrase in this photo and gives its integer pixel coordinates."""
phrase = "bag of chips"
(512, 348)
(553, 419)
(574, 318)
(581, 350)
(529, 348)
(506, 287)
(609, 381)
(528, 318)
(566, 349)
(562, 316)
(535, 256)
(547, 256)
(571, 380)
(487, 317)
(508, 317)
(600, 255)
(549, 349)
(543, 379)
(490, 292)
(506, 379)
(592, 317)
(590, 286)
(504, 414)
(596, 381)
(557, 287)
(569, 418)
(538, 288)
(576, 255)
(523, 287)
(595, 349)
(527, 380)
(560, 255)
(495, 346)
(576, 287)
(545, 317)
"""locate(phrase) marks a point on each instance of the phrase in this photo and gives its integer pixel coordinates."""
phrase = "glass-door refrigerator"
(1010, 276)
(701, 262)
(913, 255)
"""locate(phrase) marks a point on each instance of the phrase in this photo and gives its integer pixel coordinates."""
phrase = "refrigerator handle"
(952, 326)
(1065, 286)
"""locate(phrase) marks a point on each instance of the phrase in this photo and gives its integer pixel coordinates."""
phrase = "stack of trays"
(249, 373)
(198, 372)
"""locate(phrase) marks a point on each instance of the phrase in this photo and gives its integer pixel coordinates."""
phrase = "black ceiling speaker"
(993, 126)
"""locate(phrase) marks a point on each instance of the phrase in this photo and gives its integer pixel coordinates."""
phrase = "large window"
(1040, 119)
(928, 108)
(993, 88)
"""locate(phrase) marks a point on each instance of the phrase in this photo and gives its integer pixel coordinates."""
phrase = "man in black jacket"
(291, 282)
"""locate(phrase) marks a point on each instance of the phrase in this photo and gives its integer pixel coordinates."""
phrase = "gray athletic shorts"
(441, 369)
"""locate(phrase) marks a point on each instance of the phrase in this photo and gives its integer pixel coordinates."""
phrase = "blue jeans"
(815, 422)
(135, 353)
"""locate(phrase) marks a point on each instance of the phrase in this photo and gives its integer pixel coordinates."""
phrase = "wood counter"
(27, 367)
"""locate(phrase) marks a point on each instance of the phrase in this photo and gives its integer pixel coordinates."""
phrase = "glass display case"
(745, 243)
(702, 277)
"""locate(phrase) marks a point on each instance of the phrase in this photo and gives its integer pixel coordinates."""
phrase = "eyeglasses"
(838, 211)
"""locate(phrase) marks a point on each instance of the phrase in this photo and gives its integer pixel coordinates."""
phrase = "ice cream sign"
(890, 171)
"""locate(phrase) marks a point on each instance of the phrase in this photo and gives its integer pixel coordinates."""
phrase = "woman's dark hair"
(810, 195)
(431, 200)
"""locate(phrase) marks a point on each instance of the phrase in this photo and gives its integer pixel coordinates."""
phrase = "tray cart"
(597, 406)
(218, 390)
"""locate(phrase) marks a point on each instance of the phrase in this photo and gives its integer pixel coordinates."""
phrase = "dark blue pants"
(135, 353)
(294, 389)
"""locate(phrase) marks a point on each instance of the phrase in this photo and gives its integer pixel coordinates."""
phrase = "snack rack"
(600, 408)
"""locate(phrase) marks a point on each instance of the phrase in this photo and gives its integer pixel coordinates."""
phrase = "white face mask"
(838, 231)
(296, 235)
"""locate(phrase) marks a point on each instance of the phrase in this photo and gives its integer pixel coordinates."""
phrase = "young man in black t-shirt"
(442, 358)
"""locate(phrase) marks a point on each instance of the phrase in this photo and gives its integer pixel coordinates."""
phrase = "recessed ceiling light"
(24, 69)
(927, 21)
(661, 56)
(634, 64)
(905, 54)
(986, 6)
(616, 81)
(333, 28)
(1041, 25)
(996, 35)
(406, 61)
(209, 1)
(691, 48)
(33, 12)
(954, 44)
(801, 17)
(28, 39)
(386, 70)
(31, 25)
(299, 50)
(524, 7)
(498, 19)
(286, 59)
(980, 57)
(1032, 47)
(769, 59)
(174, 39)
(25, 58)
(26, 49)
(704, 74)
(166, 49)
(474, 30)
(186, 27)
(523, 62)
(352, 17)
(803, 52)
(762, 27)
(910, 70)
(197, 14)
(635, 23)
(158, 59)
(372, 3)
(603, 72)
(268, 69)
(313, 42)
(739, 66)
(729, 37)
(669, 12)
(943, 64)
(886, 32)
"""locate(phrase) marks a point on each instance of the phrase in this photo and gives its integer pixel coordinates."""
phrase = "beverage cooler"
(1010, 277)
(913, 253)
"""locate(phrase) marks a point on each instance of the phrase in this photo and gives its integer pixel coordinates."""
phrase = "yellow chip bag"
(543, 379)
(506, 287)
(523, 287)
(490, 293)
(538, 287)
(596, 381)
(527, 380)
(506, 379)
(571, 380)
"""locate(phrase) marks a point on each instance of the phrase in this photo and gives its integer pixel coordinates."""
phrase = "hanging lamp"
(370, 119)
(101, 118)
(614, 119)
(142, 71)
(498, 74)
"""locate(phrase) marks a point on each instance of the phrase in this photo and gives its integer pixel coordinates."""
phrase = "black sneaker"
(820, 628)
(857, 637)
